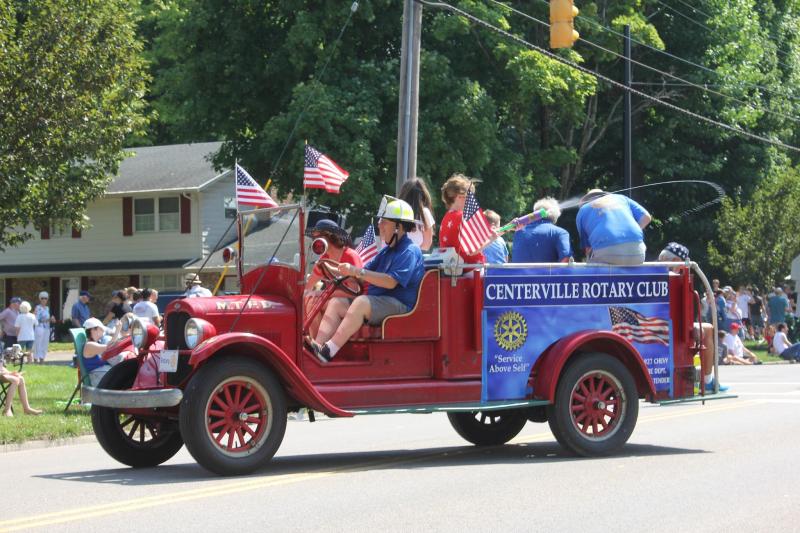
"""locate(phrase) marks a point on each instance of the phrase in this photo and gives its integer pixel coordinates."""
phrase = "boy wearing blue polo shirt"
(393, 275)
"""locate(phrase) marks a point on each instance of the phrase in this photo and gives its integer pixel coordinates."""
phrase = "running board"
(706, 398)
(450, 408)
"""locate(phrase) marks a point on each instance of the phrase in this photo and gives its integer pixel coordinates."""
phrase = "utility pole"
(409, 93)
(626, 117)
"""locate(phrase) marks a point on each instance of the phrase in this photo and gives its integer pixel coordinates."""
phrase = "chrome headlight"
(196, 331)
(138, 333)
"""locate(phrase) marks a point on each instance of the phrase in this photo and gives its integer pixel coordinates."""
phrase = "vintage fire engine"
(494, 347)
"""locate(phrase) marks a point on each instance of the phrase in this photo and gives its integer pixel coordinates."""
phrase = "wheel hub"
(597, 405)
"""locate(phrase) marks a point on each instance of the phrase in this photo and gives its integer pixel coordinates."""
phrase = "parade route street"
(727, 465)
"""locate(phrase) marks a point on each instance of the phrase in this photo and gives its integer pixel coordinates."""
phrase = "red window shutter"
(55, 298)
(127, 216)
(186, 214)
(76, 233)
(45, 232)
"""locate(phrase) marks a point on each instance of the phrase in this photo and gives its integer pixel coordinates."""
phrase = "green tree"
(71, 85)
(522, 122)
(758, 237)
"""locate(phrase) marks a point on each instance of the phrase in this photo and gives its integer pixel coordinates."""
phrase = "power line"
(693, 8)
(608, 80)
(673, 56)
(711, 30)
(663, 73)
(687, 17)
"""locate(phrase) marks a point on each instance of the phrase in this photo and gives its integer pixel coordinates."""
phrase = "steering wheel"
(330, 271)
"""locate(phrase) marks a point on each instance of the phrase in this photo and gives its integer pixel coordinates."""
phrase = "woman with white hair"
(25, 324)
(41, 340)
(542, 241)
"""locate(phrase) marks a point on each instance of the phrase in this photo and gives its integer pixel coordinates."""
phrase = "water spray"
(519, 222)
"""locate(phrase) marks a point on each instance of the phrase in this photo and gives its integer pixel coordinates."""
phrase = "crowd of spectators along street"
(769, 318)
(28, 330)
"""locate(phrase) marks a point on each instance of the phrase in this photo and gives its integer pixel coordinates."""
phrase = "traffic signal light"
(562, 13)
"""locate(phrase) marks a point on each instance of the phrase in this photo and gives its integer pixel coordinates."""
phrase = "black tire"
(131, 439)
(537, 414)
(488, 428)
(601, 422)
(235, 434)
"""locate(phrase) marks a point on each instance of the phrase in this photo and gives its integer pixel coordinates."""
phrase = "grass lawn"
(761, 351)
(49, 387)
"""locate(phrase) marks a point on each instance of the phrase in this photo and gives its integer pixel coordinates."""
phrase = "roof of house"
(178, 167)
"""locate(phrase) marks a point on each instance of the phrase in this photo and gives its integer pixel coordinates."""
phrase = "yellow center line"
(83, 513)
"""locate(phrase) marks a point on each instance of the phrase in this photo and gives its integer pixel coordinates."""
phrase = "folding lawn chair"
(79, 339)
(10, 356)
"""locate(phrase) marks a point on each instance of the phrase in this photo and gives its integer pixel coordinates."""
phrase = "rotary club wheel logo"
(510, 330)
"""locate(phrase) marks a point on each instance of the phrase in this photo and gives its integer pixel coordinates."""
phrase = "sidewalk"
(59, 357)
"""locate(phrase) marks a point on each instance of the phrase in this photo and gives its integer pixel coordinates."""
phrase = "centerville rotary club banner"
(527, 309)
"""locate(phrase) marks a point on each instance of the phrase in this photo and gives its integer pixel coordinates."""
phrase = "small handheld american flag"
(475, 229)
(636, 327)
(248, 192)
(321, 172)
(367, 248)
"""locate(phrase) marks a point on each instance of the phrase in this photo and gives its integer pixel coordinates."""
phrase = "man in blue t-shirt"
(610, 228)
(80, 309)
(542, 241)
(777, 305)
(393, 275)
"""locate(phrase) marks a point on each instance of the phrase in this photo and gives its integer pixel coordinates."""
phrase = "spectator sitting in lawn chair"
(93, 361)
(16, 382)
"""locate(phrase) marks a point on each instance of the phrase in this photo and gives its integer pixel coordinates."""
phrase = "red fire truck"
(230, 368)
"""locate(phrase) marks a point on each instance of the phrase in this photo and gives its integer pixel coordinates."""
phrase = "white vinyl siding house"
(162, 212)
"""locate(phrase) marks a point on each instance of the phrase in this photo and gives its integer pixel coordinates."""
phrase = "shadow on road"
(465, 456)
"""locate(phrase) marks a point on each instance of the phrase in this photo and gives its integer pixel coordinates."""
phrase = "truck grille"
(175, 324)
(175, 341)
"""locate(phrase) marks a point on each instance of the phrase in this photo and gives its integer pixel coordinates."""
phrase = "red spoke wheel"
(488, 428)
(133, 440)
(596, 405)
(233, 415)
(238, 415)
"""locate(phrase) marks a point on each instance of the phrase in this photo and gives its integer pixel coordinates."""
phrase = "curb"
(40, 444)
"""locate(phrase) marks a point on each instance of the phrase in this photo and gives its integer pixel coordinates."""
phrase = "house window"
(162, 282)
(144, 214)
(169, 214)
(3, 301)
(230, 206)
(231, 285)
(60, 231)
(156, 214)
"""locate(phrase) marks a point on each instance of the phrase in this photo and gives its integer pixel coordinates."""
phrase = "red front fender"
(294, 380)
(549, 366)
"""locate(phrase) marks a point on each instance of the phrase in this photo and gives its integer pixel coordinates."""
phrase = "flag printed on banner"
(321, 172)
(248, 192)
(636, 327)
(367, 248)
(475, 229)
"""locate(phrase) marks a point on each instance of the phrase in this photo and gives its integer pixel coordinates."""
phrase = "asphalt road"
(731, 465)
